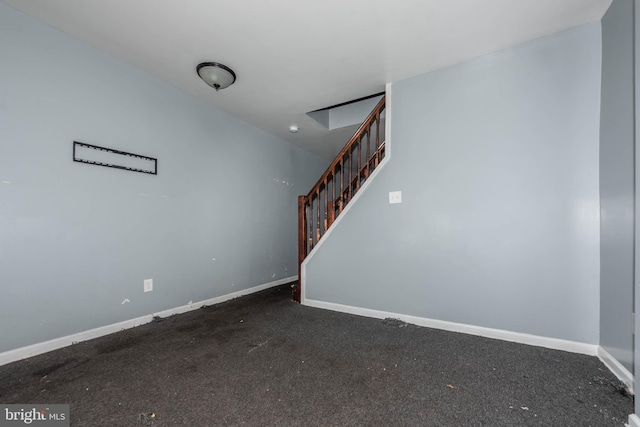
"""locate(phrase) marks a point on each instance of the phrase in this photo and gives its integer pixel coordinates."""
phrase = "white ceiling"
(295, 56)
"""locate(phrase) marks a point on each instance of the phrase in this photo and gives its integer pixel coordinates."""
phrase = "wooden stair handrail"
(356, 136)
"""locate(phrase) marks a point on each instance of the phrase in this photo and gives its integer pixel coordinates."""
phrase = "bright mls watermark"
(34, 415)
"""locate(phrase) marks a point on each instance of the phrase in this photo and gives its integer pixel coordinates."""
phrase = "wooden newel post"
(302, 245)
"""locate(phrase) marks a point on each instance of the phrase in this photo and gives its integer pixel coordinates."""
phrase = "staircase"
(339, 183)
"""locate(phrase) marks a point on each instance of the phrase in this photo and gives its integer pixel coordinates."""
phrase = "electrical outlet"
(148, 285)
(395, 197)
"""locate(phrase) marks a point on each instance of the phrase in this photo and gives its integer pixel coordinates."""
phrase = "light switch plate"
(148, 285)
(395, 197)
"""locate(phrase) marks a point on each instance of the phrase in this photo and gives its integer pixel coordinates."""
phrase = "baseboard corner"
(617, 369)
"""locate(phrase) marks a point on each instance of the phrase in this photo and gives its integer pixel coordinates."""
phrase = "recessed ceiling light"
(293, 129)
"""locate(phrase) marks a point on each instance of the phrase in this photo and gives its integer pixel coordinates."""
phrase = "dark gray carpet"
(263, 360)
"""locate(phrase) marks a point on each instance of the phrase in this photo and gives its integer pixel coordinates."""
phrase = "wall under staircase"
(498, 230)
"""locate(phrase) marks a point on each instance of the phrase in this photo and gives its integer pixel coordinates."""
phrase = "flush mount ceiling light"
(216, 75)
(293, 129)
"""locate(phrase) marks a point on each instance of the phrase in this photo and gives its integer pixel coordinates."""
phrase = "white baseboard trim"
(223, 298)
(54, 344)
(634, 421)
(616, 367)
(536, 340)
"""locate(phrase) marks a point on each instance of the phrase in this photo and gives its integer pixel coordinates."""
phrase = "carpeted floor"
(263, 360)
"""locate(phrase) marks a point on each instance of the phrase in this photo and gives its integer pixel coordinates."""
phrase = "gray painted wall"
(497, 159)
(352, 114)
(77, 240)
(617, 139)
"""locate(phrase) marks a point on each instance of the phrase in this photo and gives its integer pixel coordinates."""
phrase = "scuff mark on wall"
(287, 183)
(6, 182)
(126, 300)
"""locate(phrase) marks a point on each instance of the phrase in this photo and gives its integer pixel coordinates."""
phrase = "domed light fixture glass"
(216, 75)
